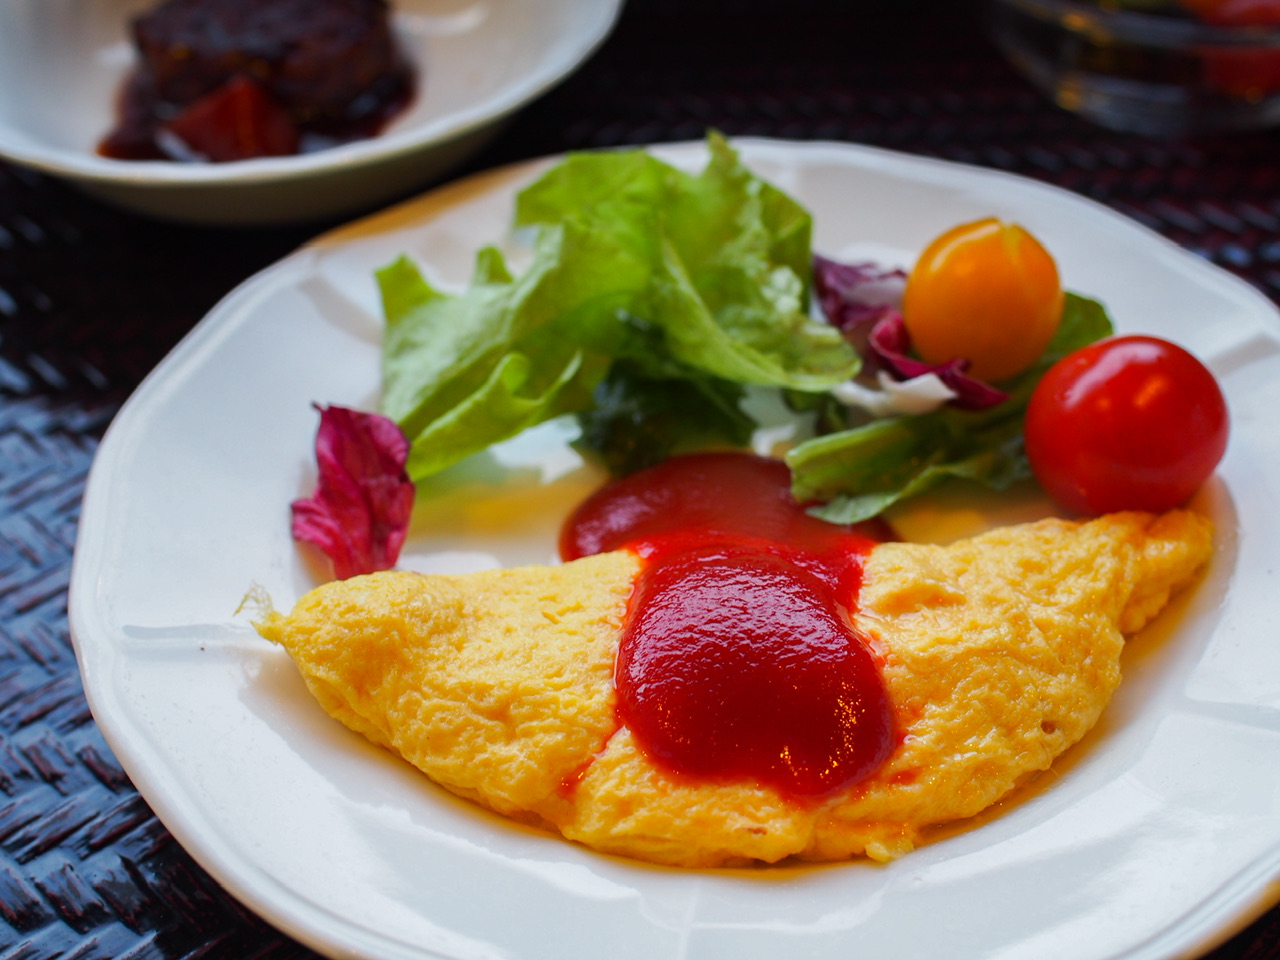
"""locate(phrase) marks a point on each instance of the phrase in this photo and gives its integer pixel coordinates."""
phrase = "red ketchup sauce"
(739, 660)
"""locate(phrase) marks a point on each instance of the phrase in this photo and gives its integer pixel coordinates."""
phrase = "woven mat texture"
(91, 298)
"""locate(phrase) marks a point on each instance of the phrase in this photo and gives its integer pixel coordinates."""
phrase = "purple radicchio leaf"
(891, 344)
(855, 295)
(359, 513)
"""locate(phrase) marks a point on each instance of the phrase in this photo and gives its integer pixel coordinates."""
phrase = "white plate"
(62, 63)
(1157, 835)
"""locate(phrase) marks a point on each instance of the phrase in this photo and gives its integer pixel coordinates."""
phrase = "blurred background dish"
(1154, 67)
(63, 62)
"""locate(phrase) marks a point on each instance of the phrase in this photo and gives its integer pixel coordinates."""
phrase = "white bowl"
(62, 63)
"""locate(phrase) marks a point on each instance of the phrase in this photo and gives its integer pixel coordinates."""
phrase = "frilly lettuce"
(693, 278)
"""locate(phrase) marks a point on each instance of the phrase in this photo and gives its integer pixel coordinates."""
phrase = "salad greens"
(654, 300)
(696, 279)
(857, 473)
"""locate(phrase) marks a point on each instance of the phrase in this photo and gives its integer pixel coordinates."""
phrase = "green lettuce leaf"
(853, 475)
(728, 259)
(462, 372)
(700, 278)
(637, 421)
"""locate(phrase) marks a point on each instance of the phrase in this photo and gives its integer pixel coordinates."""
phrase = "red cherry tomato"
(1248, 73)
(1127, 423)
(237, 121)
(1236, 13)
(1245, 74)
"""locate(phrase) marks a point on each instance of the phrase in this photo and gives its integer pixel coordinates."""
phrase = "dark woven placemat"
(91, 298)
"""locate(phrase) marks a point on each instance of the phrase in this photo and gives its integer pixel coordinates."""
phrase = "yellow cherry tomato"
(988, 292)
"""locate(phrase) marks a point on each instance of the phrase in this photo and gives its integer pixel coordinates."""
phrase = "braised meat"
(316, 59)
(296, 75)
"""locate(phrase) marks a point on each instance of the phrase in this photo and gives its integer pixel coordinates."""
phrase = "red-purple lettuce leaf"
(864, 300)
(853, 295)
(359, 513)
(891, 344)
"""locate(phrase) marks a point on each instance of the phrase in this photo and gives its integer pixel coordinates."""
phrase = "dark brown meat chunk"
(319, 59)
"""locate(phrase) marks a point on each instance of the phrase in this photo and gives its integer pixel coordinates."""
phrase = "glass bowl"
(1145, 66)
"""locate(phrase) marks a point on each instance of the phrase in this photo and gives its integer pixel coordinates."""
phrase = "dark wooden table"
(91, 298)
